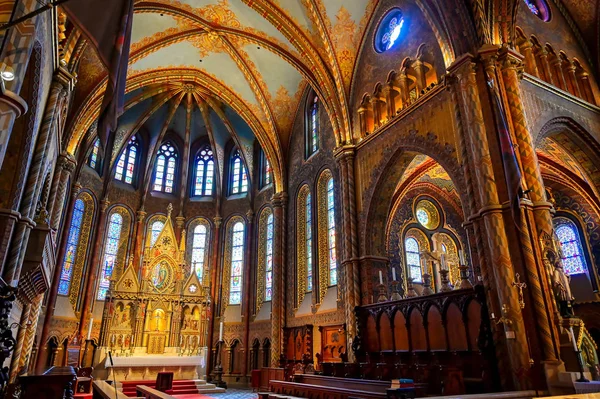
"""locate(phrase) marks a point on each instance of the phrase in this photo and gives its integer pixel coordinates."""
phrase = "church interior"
(301, 198)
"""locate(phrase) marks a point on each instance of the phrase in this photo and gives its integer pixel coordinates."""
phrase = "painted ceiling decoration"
(255, 57)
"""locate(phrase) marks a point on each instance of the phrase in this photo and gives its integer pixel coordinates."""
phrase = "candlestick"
(573, 339)
(394, 273)
(221, 332)
(443, 262)
(461, 257)
(380, 278)
(90, 328)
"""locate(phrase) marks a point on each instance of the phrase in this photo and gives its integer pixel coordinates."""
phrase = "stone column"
(16, 355)
(350, 264)
(34, 314)
(12, 106)
(66, 166)
(249, 262)
(214, 276)
(513, 348)
(53, 293)
(573, 78)
(138, 233)
(538, 278)
(92, 275)
(526, 48)
(542, 55)
(279, 203)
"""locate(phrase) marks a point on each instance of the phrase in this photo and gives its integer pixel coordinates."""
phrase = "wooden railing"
(321, 392)
(104, 390)
(145, 391)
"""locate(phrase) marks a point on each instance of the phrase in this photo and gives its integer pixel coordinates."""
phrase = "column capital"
(141, 215)
(279, 199)
(343, 152)
(67, 162)
(510, 59)
(76, 188)
(64, 78)
(218, 220)
(250, 215)
(104, 203)
(180, 221)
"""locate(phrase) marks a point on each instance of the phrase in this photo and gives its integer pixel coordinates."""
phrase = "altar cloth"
(153, 361)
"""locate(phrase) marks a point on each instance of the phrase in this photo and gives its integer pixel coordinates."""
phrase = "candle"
(443, 261)
(394, 273)
(461, 256)
(573, 339)
(493, 317)
(380, 278)
(221, 332)
(90, 328)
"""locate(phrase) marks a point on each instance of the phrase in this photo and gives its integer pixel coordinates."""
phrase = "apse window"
(164, 169)
(572, 257)
(539, 8)
(126, 165)
(388, 31)
(204, 173)
(312, 124)
(94, 157)
(239, 177)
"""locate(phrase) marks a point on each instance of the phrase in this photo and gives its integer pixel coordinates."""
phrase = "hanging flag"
(512, 171)
(107, 26)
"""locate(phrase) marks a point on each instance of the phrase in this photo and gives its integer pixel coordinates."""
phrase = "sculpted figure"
(560, 283)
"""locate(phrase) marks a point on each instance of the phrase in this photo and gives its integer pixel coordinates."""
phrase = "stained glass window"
(269, 260)
(413, 259)
(573, 259)
(422, 216)
(312, 137)
(164, 169)
(93, 160)
(267, 171)
(71, 251)
(539, 8)
(237, 261)
(308, 235)
(239, 177)
(204, 174)
(331, 234)
(111, 250)
(198, 249)
(127, 160)
(389, 30)
(155, 230)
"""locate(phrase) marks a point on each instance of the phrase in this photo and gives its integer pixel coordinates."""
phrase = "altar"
(156, 318)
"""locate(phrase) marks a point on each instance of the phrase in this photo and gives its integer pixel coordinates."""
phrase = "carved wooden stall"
(442, 341)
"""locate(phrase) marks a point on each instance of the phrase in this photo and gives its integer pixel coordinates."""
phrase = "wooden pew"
(321, 392)
(55, 382)
(104, 390)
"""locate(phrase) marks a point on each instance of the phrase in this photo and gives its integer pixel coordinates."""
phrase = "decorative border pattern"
(323, 240)
(82, 254)
(301, 260)
(226, 268)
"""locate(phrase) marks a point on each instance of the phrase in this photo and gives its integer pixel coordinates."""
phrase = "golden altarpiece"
(157, 319)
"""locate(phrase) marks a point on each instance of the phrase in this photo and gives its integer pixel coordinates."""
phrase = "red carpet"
(180, 387)
(193, 396)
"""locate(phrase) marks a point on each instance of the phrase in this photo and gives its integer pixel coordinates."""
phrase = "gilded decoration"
(323, 233)
(82, 253)
(301, 258)
(262, 250)
(423, 241)
(149, 222)
(451, 255)
(225, 281)
(427, 214)
(123, 239)
(189, 247)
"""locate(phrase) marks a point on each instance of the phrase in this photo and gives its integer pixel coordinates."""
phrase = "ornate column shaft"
(537, 277)
(66, 166)
(279, 203)
(16, 355)
(91, 276)
(138, 233)
(26, 352)
(214, 276)
(515, 361)
(246, 289)
(53, 293)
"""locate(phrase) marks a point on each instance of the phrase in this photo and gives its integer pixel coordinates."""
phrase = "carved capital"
(104, 204)
(67, 162)
(76, 189)
(344, 152)
(250, 215)
(180, 221)
(218, 220)
(279, 199)
(141, 215)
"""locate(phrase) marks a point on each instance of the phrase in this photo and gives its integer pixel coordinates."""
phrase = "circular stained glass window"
(427, 214)
(193, 288)
(539, 8)
(389, 30)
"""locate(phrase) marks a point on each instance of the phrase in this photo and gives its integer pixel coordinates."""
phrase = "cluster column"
(512, 346)
(279, 203)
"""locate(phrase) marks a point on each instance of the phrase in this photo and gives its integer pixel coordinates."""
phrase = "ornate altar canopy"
(157, 318)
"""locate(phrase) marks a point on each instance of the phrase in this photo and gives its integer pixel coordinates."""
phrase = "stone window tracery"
(199, 242)
(155, 229)
(327, 233)
(204, 172)
(539, 8)
(264, 275)
(126, 166)
(572, 254)
(165, 168)
(237, 263)
(238, 176)
(72, 247)
(388, 31)
(413, 259)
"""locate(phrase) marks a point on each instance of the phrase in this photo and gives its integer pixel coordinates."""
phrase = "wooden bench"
(145, 391)
(104, 390)
(296, 389)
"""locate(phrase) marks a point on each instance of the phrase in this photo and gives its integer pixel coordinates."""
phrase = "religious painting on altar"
(161, 275)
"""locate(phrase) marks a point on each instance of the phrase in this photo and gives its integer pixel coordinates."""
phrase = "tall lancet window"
(126, 165)
(269, 259)
(267, 171)
(237, 262)
(199, 249)
(239, 177)
(111, 250)
(312, 131)
(204, 172)
(165, 167)
(308, 247)
(72, 246)
(331, 234)
(413, 258)
(94, 158)
(573, 259)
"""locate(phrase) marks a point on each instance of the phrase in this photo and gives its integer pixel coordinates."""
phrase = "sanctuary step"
(180, 387)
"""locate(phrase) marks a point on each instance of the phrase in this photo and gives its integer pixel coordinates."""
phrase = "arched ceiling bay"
(260, 54)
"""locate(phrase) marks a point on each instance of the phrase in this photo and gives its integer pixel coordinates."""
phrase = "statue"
(560, 283)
